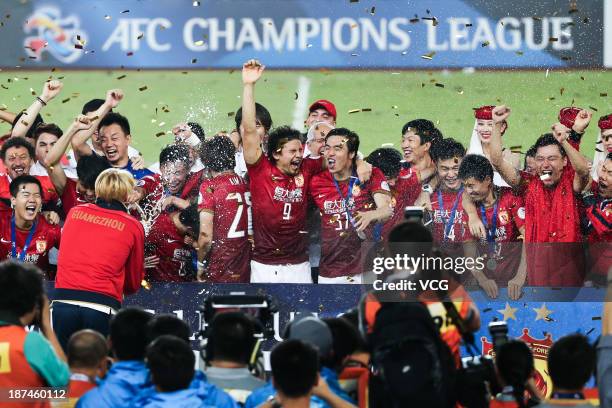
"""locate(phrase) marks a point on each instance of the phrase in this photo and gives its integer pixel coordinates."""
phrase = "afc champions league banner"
(347, 34)
(540, 317)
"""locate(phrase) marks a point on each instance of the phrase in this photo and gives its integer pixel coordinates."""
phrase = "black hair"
(410, 237)
(114, 118)
(476, 166)
(218, 154)
(262, 115)
(295, 367)
(445, 149)
(232, 337)
(168, 324)
(171, 363)
(352, 317)
(21, 287)
(548, 139)
(531, 152)
(16, 142)
(387, 160)
(51, 128)
(127, 333)
(175, 152)
(86, 348)
(346, 340)
(89, 168)
(23, 180)
(425, 129)
(352, 140)
(197, 130)
(609, 156)
(92, 106)
(279, 137)
(190, 218)
(571, 361)
(515, 365)
(37, 121)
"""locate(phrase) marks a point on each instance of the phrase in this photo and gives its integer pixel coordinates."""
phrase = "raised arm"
(510, 174)
(251, 72)
(50, 91)
(204, 240)
(79, 142)
(578, 162)
(6, 116)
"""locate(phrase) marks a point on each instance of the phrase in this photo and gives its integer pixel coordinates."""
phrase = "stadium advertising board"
(344, 34)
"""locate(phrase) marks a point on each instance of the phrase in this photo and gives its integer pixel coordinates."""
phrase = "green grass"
(210, 96)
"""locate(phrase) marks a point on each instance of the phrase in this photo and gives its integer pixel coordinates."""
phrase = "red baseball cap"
(605, 122)
(324, 104)
(567, 116)
(484, 112)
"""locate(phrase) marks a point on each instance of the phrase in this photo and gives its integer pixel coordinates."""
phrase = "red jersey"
(175, 257)
(552, 232)
(71, 196)
(46, 236)
(108, 244)
(279, 211)
(49, 194)
(454, 222)
(405, 192)
(226, 197)
(599, 216)
(154, 188)
(503, 257)
(340, 245)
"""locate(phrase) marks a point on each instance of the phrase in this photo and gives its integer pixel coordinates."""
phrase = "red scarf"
(552, 215)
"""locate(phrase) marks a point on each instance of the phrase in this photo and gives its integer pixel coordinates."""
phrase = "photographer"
(231, 348)
(28, 358)
(515, 367)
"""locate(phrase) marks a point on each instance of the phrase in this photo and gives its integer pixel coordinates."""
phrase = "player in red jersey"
(25, 235)
(503, 215)
(403, 187)
(278, 183)
(603, 146)
(347, 208)
(418, 137)
(599, 228)
(224, 205)
(551, 207)
(170, 257)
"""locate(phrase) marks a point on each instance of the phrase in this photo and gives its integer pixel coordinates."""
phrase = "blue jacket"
(261, 395)
(188, 398)
(207, 394)
(124, 380)
(138, 174)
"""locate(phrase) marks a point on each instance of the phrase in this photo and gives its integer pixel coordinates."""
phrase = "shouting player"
(503, 215)
(551, 207)
(347, 207)
(224, 205)
(25, 235)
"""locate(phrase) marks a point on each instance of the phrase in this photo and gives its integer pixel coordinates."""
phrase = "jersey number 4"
(233, 231)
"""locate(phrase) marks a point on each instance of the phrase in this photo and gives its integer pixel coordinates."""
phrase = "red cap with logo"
(324, 104)
(484, 112)
(567, 116)
(605, 122)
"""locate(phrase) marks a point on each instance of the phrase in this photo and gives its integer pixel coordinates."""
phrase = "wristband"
(192, 140)
(39, 99)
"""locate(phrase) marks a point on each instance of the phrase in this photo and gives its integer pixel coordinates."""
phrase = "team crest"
(299, 180)
(41, 245)
(539, 349)
(503, 217)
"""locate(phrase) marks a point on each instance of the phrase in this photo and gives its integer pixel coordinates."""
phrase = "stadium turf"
(212, 97)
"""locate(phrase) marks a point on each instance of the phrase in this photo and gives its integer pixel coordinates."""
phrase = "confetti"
(603, 94)
(143, 88)
(553, 39)
(199, 43)
(582, 78)
(561, 91)
(566, 58)
(536, 18)
(125, 11)
(485, 44)
(593, 108)
(23, 122)
(32, 91)
(394, 107)
(196, 3)
(230, 114)
(573, 7)
(194, 60)
(386, 145)
(590, 331)
(429, 56)
(145, 284)
(354, 1)
(129, 54)
(488, 309)
(295, 96)
(140, 36)
(3, 107)
(65, 100)
(414, 20)
(354, 111)
(469, 25)
(547, 71)
(519, 147)
(439, 85)
(354, 54)
(78, 46)
(121, 77)
(596, 318)
(158, 134)
(373, 10)
(519, 53)
(107, 17)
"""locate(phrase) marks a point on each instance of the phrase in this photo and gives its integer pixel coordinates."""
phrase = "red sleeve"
(517, 204)
(261, 166)
(134, 268)
(206, 199)
(601, 219)
(56, 232)
(312, 166)
(69, 195)
(378, 182)
(150, 183)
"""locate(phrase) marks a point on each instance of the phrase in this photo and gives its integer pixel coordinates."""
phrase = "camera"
(499, 333)
(414, 213)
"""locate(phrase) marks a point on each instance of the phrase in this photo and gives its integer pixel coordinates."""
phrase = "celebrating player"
(603, 146)
(551, 207)
(224, 205)
(26, 235)
(321, 110)
(347, 207)
(503, 215)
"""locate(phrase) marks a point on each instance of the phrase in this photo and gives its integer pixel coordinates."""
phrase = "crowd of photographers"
(379, 354)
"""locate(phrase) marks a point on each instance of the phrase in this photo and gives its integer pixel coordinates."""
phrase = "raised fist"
(82, 122)
(252, 71)
(50, 90)
(500, 113)
(113, 97)
(582, 121)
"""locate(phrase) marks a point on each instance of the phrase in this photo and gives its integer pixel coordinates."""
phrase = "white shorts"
(349, 280)
(292, 273)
